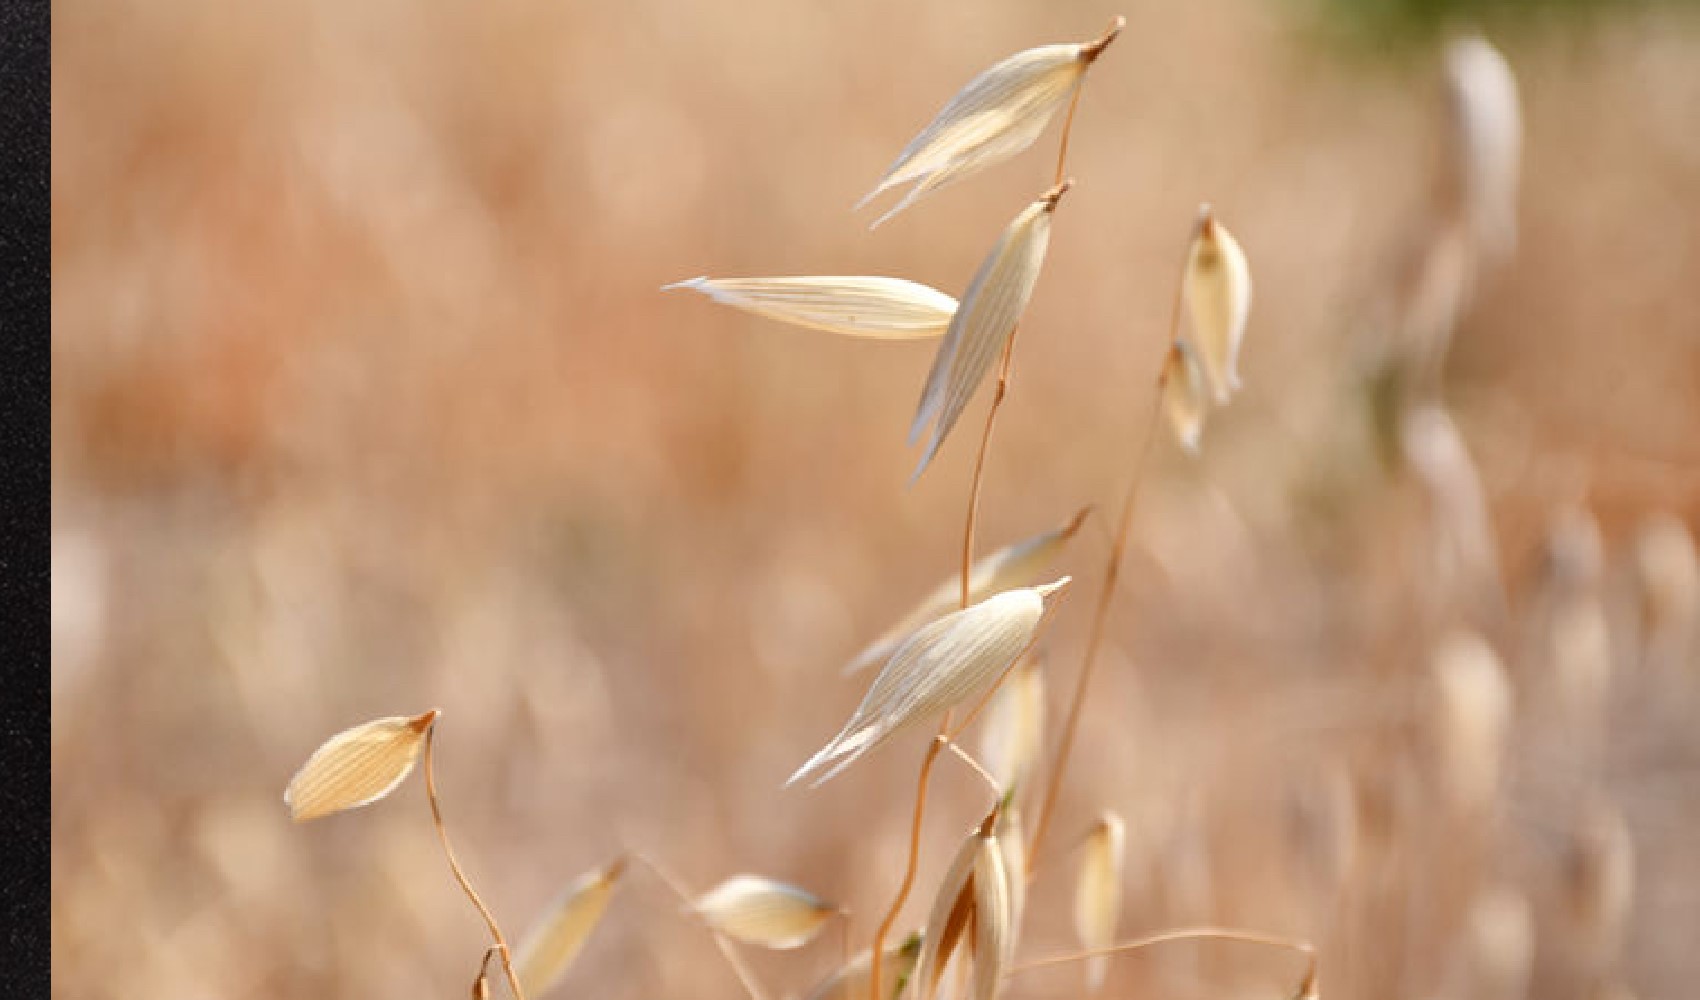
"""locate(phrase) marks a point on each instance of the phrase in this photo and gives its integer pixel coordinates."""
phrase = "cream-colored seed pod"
(762, 911)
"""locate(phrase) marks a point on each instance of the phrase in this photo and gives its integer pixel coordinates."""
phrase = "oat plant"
(964, 650)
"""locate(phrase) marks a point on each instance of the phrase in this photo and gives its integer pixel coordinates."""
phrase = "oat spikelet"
(1098, 894)
(560, 931)
(857, 306)
(1186, 394)
(1487, 139)
(1012, 841)
(357, 766)
(759, 910)
(945, 663)
(994, 941)
(1015, 726)
(1218, 298)
(951, 913)
(1015, 565)
(986, 320)
(995, 117)
(850, 981)
(1500, 947)
(1474, 708)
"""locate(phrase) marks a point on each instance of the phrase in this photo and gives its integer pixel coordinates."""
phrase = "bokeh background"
(366, 401)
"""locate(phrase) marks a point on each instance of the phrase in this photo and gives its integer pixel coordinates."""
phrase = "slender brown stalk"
(908, 883)
(1184, 934)
(998, 392)
(1005, 365)
(501, 945)
(746, 978)
(1092, 51)
(1101, 614)
(1068, 124)
(974, 765)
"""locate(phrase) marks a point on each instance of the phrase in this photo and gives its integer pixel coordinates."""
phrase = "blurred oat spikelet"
(1015, 565)
(1575, 635)
(1667, 585)
(974, 899)
(1473, 716)
(994, 938)
(1012, 841)
(1186, 393)
(762, 911)
(850, 981)
(1467, 553)
(1500, 944)
(856, 306)
(560, 931)
(999, 114)
(1218, 297)
(990, 311)
(1015, 726)
(943, 664)
(1098, 893)
(1487, 136)
(357, 766)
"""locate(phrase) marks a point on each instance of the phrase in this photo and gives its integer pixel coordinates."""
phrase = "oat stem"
(1101, 613)
(998, 392)
(1185, 934)
(932, 754)
(746, 978)
(501, 944)
(968, 759)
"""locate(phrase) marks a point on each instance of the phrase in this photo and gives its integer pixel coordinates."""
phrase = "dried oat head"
(856, 306)
(1015, 726)
(1098, 893)
(983, 324)
(1473, 709)
(943, 664)
(560, 931)
(1186, 393)
(1218, 297)
(995, 117)
(1015, 565)
(762, 911)
(357, 766)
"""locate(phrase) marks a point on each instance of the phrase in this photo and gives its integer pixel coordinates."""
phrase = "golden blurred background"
(366, 401)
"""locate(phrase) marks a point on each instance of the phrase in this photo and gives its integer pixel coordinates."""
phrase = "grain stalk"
(1005, 365)
(1101, 613)
(1307, 987)
(501, 942)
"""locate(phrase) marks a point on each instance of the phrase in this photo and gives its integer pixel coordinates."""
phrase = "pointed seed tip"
(1093, 49)
(422, 722)
(1079, 518)
(1046, 590)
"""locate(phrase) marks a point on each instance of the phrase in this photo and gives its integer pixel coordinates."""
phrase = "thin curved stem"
(1090, 53)
(501, 944)
(1184, 934)
(998, 393)
(1101, 614)
(908, 883)
(974, 765)
(1068, 125)
(746, 978)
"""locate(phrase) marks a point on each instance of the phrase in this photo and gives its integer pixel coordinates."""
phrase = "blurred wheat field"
(366, 402)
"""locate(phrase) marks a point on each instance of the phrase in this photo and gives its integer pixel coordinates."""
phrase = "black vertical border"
(25, 483)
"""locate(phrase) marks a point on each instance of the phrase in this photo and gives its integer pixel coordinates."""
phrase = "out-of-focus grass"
(366, 402)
